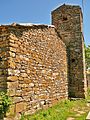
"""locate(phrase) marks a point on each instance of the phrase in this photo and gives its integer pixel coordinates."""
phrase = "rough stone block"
(12, 78)
(20, 107)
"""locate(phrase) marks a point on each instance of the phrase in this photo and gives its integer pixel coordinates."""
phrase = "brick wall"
(37, 68)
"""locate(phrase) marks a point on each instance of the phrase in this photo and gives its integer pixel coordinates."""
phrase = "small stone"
(88, 116)
(31, 84)
(12, 49)
(12, 78)
(10, 71)
(38, 106)
(17, 99)
(18, 116)
(27, 59)
(11, 92)
(12, 84)
(18, 92)
(28, 71)
(42, 102)
(88, 104)
(43, 71)
(24, 75)
(20, 107)
(70, 118)
(17, 72)
(12, 54)
(13, 37)
(55, 74)
(27, 81)
(81, 112)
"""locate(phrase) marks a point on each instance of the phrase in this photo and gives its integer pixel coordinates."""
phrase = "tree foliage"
(87, 56)
(5, 103)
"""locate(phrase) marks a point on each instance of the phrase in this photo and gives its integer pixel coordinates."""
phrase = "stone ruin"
(42, 64)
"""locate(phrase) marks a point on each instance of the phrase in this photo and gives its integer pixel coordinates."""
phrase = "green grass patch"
(77, 109)
(61, 111)
(88, 96)
(82, 117)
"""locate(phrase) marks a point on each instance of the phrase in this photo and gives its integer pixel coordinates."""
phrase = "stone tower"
(68, 22)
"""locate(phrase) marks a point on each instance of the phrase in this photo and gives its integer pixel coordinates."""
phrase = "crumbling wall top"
(65, 7)
(27, 25)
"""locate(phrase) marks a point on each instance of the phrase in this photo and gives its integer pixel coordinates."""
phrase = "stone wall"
(3, 58)
(68, 21)
(37, 68)
(41, 64)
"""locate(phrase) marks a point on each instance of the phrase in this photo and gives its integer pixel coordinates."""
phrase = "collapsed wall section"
(37, 68)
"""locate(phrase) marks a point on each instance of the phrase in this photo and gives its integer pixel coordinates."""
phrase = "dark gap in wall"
(65, 18)
(0, 59)
(73, 60)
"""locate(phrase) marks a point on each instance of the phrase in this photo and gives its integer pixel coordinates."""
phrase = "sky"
(39, 11)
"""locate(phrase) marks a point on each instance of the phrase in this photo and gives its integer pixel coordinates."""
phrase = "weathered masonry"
(68, 22)
(41, 64)
(33, 67)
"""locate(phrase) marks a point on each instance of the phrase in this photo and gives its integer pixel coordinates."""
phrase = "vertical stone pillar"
(68, 22)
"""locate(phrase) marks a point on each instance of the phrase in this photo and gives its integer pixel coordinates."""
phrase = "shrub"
(5, 103)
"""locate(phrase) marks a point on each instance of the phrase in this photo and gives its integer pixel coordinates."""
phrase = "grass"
(77, 109)
(88, 96)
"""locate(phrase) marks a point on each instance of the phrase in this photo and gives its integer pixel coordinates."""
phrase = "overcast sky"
(39, 11)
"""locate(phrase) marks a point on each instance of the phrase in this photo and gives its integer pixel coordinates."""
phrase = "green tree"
(87, 56)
